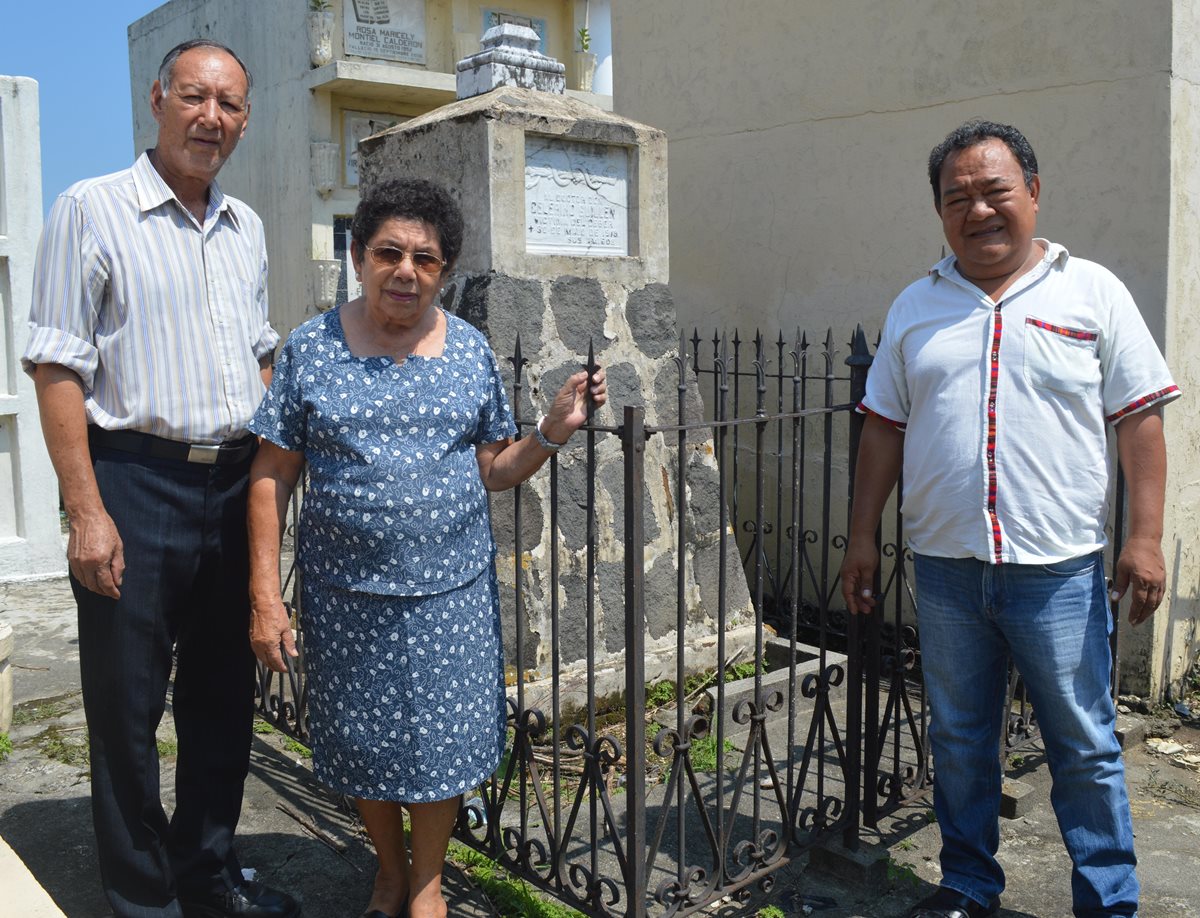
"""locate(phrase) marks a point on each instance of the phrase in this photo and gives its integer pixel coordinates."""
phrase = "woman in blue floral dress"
(399, 411)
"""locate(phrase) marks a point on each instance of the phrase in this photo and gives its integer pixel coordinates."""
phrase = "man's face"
(988, 214)
(201, 117)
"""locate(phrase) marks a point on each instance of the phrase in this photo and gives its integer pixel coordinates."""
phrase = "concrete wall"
(270, 168)
(1176, 644)
(798, 141)
(31, 542)
(799, 137)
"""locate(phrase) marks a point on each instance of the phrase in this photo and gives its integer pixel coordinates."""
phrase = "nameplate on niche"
(576, 198)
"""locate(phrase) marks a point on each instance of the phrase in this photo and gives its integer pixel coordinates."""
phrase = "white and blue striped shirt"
(163, 319)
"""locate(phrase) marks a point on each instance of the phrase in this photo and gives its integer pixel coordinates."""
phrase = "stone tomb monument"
(566, 246)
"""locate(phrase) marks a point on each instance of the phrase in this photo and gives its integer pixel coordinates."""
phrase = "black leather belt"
(143, 444)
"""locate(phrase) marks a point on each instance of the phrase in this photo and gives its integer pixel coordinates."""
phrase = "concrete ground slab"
(45, 816)
(45, 809)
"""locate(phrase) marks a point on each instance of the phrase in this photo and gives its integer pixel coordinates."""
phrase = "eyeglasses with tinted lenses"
(390, 257)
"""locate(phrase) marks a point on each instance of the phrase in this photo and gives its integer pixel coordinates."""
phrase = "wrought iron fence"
(662, 809)
(809, 729)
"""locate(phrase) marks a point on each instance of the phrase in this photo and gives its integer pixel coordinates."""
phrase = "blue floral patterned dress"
(400, 608)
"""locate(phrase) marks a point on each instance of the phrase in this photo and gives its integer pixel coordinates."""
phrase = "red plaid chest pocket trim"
(1079, 334)
(1061, 360)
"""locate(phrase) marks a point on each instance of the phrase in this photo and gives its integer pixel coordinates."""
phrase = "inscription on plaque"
(391, 30)
(576, 198)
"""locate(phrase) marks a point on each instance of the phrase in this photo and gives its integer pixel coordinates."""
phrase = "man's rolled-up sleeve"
(268, 338)
(70, 277)
(1134, 374)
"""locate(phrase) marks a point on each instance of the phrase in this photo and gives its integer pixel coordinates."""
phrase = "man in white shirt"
(150, 350)
(994, 384)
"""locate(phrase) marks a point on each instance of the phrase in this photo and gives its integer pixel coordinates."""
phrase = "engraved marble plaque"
(392, 30)
(576, 198)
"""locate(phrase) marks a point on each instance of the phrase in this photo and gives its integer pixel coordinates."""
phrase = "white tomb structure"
(31, 543)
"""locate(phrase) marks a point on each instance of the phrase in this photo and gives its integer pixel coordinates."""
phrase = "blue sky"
(78, 52)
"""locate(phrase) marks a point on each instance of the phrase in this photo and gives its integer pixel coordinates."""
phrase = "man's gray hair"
(166, 69)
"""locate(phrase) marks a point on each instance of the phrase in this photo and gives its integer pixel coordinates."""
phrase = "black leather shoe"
(250, 900)
(949, 903)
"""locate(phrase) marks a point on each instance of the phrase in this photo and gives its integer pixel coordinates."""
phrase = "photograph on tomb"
(576, 198)
(390, 30)
(493, 17)
(356, 126)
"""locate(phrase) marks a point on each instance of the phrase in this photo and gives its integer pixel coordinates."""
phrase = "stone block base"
(1130, 731)
(1015, 799)
(868, 866)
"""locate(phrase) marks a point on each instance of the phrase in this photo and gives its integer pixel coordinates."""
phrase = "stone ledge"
(23, 895)
(6, 677)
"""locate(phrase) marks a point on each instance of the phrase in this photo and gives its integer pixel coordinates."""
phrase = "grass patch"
(297, 747)
(167, 748)
(770, 911)
(704, 752)
(262, 728)
(509, 895)
(902, 874)
(37, 711)
(659, 694)
(6, 746)
(55, 744)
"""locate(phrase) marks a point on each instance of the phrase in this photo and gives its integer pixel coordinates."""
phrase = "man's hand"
(1141, 564)
(271, 628)
(880, 454)
(858, 576)
(1142, 450)
(96, 554)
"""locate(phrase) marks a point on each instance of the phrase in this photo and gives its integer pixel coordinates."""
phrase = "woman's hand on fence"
(569, 411)
(858, 576)
(271, 634)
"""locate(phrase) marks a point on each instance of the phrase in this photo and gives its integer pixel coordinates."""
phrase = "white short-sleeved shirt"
(1005, 406)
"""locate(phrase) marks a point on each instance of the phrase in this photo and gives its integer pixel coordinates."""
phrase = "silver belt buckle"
(206, 454)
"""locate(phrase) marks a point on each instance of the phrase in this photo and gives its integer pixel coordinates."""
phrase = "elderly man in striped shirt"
(995, 385)
(150, 349)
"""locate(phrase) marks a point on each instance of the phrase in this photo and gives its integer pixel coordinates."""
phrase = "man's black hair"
(973, 133)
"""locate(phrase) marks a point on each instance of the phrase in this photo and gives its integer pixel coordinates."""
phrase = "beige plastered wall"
(1176, 643)
(798, 136)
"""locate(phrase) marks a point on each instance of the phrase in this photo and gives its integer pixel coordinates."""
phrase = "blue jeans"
(1054, 621)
